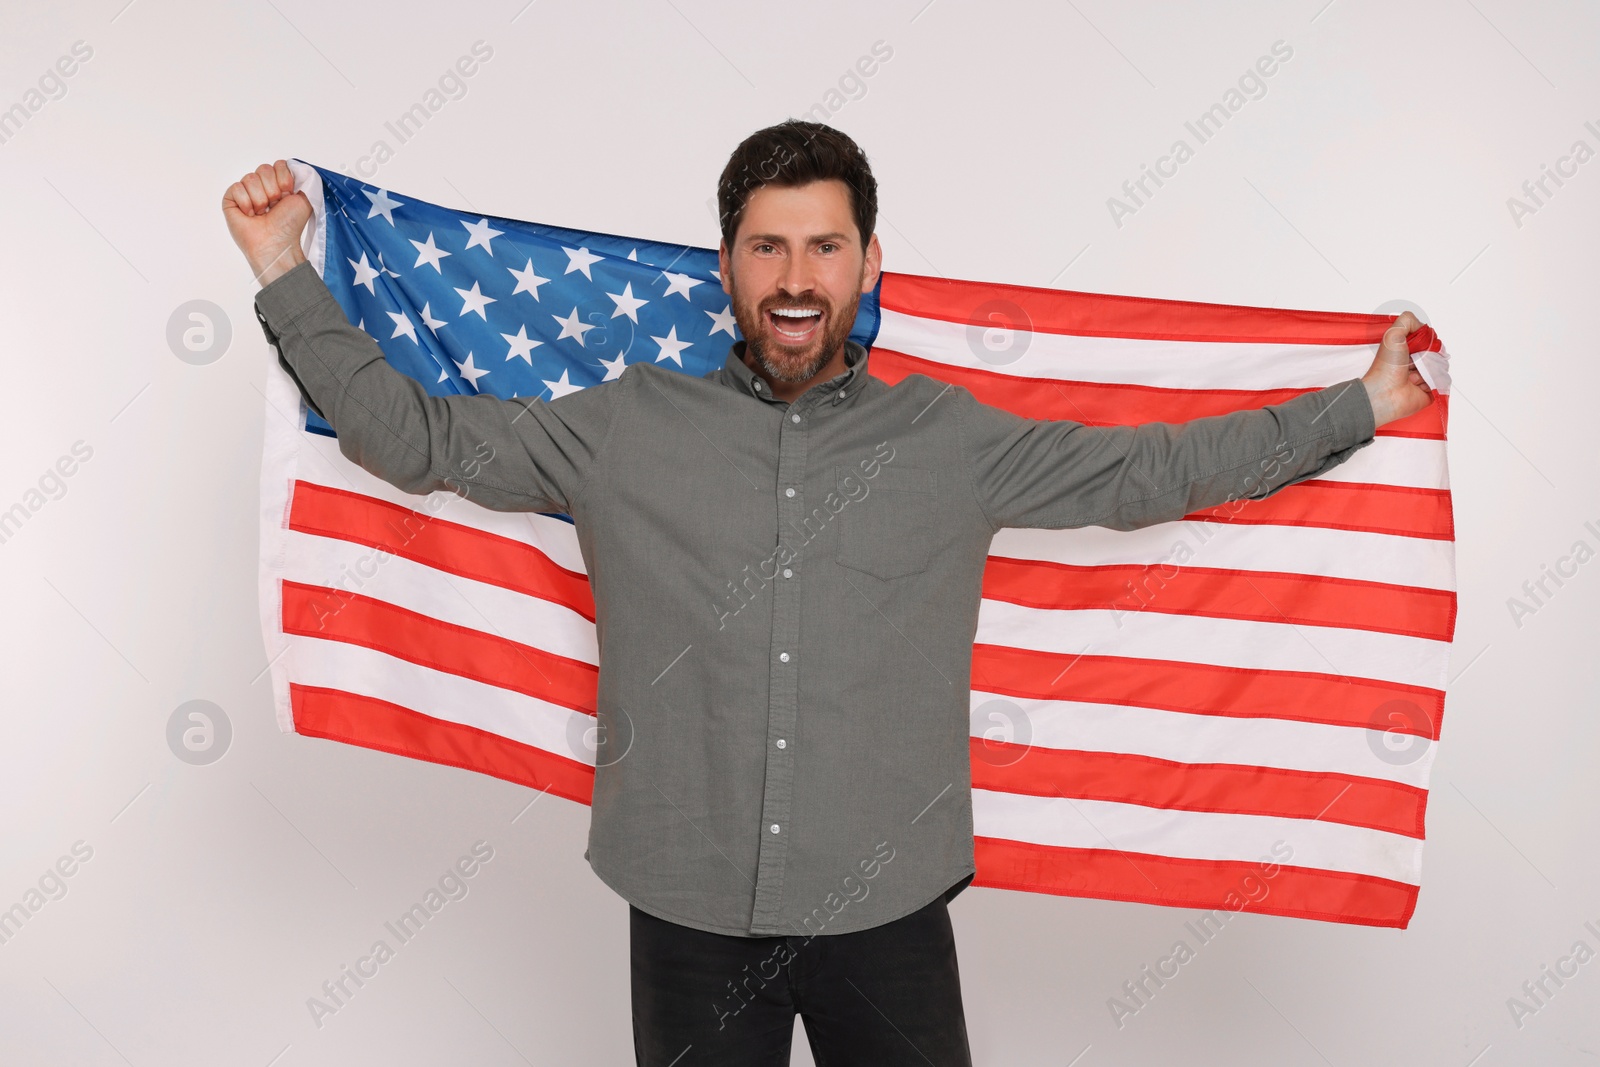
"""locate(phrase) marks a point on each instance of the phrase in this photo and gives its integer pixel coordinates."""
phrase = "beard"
(789, 363)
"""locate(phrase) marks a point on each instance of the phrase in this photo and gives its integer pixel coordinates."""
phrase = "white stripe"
(1199, 835)
(449, 598)
(368, 672)
(1135, 361)
(1412, 462)
(1410, 561)
(314, 241)
(1184, 738)
(1271, 646)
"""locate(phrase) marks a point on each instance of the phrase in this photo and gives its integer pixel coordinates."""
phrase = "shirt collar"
(740, 377)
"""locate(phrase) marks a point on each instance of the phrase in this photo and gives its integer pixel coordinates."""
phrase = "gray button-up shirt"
(786, 594)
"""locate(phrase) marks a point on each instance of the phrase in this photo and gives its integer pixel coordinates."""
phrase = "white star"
(528, 280)
(634, 255)
(580, 259)
(482, 234)
(470, 372)
(717, 275)
(521, 345)
(627, 303)
(402, 325)
(429, 321)
(671, 346)
(382, 205)
(429, 253)
(614, 367)
(680, 284)
(365, 274)
(571, 327)
(722, 320)
(472, 300)
(385, 269)
(559, 389)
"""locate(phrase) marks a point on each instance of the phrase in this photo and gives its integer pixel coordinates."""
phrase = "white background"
(1376, 167)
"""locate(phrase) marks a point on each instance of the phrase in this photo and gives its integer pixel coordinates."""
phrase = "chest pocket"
(889, 532)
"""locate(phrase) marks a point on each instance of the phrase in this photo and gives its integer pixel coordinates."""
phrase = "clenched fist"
(1394, 385)
(265, 217)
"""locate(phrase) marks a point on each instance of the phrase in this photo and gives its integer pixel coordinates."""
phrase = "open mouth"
(795, 325)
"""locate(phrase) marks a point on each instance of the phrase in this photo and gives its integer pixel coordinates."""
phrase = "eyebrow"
(773, 238)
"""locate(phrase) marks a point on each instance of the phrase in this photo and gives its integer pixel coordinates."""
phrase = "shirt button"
(773, 828)
(794, 418)
(782, 743)
(783, 656)
(787, 573)
(789, 491)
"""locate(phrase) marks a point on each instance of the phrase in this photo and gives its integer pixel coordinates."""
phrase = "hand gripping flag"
(1147, 706)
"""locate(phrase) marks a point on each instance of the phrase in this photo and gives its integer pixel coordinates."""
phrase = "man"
(786, 557)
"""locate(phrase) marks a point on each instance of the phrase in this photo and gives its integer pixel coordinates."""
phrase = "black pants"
(884, 996)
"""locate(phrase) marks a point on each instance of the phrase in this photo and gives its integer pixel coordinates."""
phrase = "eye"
(827, 247)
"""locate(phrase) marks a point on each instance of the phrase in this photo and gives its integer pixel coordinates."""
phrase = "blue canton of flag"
(467, 303)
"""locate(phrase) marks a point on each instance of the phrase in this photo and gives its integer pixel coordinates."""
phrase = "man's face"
(796, 271)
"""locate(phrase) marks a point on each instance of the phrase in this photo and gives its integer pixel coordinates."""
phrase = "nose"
(798, 276)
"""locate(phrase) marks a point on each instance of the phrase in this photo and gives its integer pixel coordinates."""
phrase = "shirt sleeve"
(1057, 474)
(524, 454)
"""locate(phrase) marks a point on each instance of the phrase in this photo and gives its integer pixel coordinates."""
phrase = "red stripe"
(1103, 315)
(1206, 689)
(1118, 404)
(378, 724)
(336, 615)
(1219, 787)
(1257, 596)
(434, 542)
(1302, 892)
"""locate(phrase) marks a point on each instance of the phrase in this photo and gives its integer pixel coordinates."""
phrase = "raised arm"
(1059, 473)
(1055, 474)
(509, 455)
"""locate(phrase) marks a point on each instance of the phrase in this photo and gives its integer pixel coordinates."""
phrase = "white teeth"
(796, 313)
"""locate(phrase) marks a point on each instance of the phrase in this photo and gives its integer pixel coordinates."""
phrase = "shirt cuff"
(1350, 410)
(288, 296)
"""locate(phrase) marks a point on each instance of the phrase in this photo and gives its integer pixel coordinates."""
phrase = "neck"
(789, 392)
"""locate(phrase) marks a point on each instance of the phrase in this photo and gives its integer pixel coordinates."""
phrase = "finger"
(269, 183)
(1408, 321)
(258, 195)
(285, 176)
(237, 199)
(1394, 345)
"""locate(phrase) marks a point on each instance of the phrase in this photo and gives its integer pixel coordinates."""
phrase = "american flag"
(1237, 710)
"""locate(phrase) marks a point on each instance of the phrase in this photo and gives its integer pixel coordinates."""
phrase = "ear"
(872, 264)
(724, 265)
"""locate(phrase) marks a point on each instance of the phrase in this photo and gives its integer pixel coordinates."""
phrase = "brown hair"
(796, 152)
